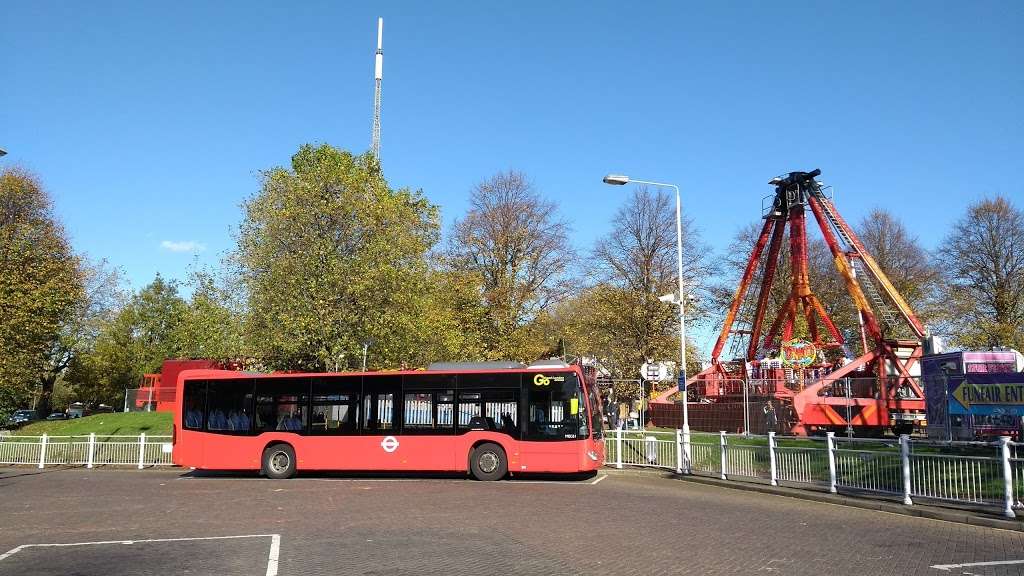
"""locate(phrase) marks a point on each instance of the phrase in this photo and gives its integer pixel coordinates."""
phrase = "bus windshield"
(558, 408)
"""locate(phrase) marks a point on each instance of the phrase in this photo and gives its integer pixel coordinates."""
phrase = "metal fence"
(140, 451)
(971, 474)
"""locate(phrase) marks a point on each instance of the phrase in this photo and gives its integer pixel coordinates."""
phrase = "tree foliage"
(40, 284)
(513, 242)
(982, 258)
(102, 297)
(134, 341)
(330, 257)
(619, 319)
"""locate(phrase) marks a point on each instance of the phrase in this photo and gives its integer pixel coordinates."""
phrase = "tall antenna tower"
(378, 74)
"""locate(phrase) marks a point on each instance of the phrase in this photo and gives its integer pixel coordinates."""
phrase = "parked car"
(20, 418)
(57, 416)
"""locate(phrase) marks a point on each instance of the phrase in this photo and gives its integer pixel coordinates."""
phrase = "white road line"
(950, 567)
(598, 479)
(272, 559)
(275, 549)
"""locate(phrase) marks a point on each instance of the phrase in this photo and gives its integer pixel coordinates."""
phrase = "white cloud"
(183, 246)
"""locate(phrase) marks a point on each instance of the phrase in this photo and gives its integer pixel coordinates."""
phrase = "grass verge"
(110, 424)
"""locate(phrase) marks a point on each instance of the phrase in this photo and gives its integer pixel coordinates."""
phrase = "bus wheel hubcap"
(279, 462)
(488, 462)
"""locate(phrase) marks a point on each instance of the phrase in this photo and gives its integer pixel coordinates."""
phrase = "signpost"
(653, 372)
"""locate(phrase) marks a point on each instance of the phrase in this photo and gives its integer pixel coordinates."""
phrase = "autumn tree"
(982, 260)
(513, 241)
(40, 286)
(637, 263)
(329, 256)
(905, 262)
(97, 307)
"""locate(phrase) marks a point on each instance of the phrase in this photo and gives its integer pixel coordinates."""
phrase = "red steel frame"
(891, 362)
(414, 452)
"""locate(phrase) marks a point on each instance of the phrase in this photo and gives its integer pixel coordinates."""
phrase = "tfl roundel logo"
(389, 444)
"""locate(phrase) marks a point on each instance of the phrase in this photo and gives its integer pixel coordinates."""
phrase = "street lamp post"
(620, 180)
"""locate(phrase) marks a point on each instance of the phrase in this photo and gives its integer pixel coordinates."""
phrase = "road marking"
(950, 567)
(272, 559)
(598, 479)
(275, 549)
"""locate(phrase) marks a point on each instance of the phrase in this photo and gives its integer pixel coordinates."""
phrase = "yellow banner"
(990, 394)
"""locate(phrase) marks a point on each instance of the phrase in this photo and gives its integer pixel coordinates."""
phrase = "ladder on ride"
(889, 319)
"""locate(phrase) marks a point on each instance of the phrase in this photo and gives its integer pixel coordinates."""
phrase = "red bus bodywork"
(384, 452)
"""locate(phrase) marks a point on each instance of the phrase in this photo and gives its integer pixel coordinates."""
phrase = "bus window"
(557, 408)
(229, 406)
(493, 396)
(195, 404)
(281, 404)
(428, 403)
(334, 406)
(379, 394)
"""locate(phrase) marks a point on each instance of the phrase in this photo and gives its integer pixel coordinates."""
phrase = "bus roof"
(228, 374)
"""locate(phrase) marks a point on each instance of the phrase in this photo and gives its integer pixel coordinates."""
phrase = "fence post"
(687, 450)
(618, 448)
(905, 466)
(42, 451)
(92, 447)
(679, 451)
(142, 448)
(830, 444)
(722, 442)
(771, 458)
(1004, 452)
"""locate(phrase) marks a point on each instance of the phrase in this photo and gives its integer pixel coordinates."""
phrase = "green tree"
(40, 285)
(211, 323)
(982, 259)
(330, 257)
(135, 341)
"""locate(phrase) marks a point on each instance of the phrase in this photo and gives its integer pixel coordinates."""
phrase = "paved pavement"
(171, 522)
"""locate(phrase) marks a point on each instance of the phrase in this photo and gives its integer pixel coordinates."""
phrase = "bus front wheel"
(279, 461)
(488, 462)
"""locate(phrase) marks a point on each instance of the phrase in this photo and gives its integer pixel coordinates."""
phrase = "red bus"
(487, 421)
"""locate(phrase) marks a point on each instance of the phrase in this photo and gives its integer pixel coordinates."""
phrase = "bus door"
(380, 417)
(427, 441)
(556, 423)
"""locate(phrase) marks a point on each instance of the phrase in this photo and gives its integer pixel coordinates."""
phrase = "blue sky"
(149, 122)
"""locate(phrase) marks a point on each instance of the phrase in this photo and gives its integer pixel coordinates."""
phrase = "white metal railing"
(140, 451)
(965, 473)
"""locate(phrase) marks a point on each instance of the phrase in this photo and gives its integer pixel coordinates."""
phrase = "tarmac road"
(169, 521)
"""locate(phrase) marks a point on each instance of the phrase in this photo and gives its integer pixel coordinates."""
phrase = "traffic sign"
(656, 371)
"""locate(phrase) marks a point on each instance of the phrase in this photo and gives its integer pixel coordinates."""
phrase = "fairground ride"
(815, 383)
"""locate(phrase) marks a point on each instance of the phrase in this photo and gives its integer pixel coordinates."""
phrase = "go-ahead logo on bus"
(542, 380)
(797, 353)
(389, 444)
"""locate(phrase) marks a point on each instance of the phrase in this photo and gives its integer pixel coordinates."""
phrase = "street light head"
(616, 179)
(668, 298)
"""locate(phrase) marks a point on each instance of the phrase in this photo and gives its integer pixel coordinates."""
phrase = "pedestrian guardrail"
(971, 474)
(140, 451)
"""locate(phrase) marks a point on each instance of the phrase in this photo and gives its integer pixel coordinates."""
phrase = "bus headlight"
(592, 455)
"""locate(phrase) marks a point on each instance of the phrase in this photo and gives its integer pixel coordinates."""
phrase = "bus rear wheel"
(488, 462)
(279, 461)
